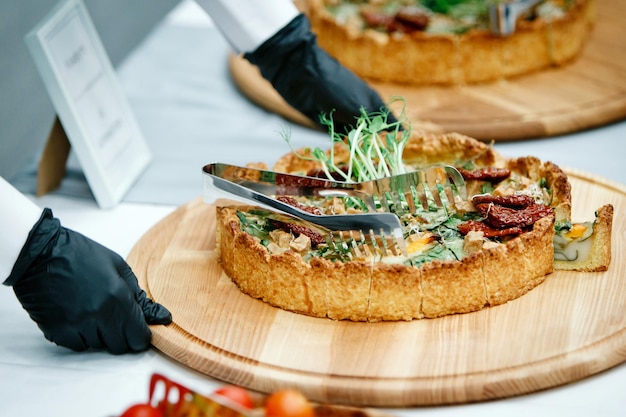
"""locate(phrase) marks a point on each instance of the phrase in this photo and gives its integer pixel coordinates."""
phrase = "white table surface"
(38, 378)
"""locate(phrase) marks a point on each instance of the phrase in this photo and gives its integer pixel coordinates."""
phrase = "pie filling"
(431, 16)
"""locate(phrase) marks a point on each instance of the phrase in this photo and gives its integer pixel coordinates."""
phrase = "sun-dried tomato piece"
(412, 18)
(298, 229)
(292, 202)
(513, 201)
(501, 217)
(376, 19)
(488, 231)
(491, 174)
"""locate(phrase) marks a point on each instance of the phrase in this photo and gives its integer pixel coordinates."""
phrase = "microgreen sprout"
(375, 145)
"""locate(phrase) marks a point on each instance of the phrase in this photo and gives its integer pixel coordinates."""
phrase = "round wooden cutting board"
(571, 326)
(588, 93)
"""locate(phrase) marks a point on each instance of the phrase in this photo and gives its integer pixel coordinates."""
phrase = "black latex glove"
(312, 81)
(81, 294)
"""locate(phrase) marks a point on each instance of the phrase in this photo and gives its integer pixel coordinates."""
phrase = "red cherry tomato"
(288, 403)
(142, 410)
(237, 395)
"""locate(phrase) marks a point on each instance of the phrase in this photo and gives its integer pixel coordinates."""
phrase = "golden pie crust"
(377, 291)
(363, 291)
(421, 58)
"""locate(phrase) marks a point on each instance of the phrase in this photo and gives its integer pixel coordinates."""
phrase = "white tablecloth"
(41, 379)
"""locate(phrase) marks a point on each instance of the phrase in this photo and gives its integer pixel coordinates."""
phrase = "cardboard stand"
(53, 162)
(94, 115)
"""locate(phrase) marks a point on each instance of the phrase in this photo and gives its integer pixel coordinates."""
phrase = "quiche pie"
(447, 42)
(513, 231)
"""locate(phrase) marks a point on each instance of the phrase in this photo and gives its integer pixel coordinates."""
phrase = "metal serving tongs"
(386, 198)
(503, 15)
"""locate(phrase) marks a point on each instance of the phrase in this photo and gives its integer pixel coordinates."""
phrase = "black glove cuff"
(38, 238)
(312, 81)
(291, 37)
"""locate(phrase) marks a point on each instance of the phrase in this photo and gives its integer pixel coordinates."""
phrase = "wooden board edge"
(576, 117)
(249, 81)
(558, 370)
(549, 373)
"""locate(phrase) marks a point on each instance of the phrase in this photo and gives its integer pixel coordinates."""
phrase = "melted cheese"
(574, 244)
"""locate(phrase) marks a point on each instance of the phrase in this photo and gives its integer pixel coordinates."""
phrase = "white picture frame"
(89, 101)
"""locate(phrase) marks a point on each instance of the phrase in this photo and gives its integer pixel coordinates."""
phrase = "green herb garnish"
(375, 145)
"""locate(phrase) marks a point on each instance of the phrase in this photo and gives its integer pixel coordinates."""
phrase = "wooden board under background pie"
(568, 328)
(588, 93)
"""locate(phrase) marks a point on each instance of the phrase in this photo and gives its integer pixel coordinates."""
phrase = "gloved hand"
(81, 294)
(312, 81)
